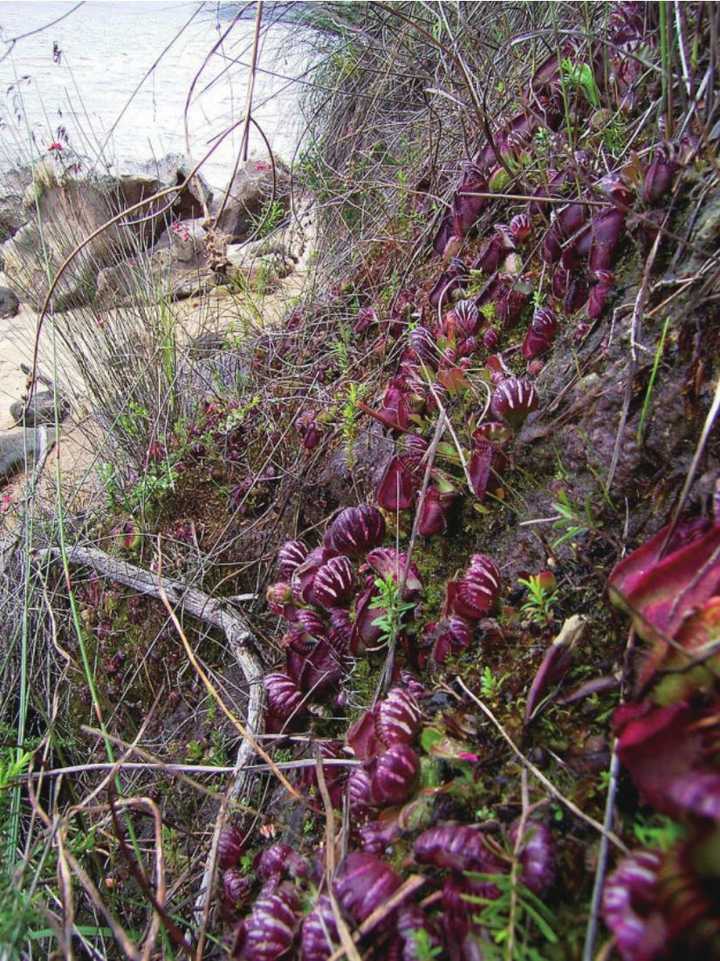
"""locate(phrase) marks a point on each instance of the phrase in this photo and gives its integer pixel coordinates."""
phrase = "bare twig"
(570, 805)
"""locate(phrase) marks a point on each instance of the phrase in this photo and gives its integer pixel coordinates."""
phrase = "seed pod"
(231, 845)
(364, 883)
(283, 695)
(398, 717)
(630, 907)
(270, 929)
(333, 583)
(356, 530)
(513, 400)
(319, 932)
(395, 775)
(290, 556)
(537, 856)
(236, 886)
(359, 792)
(456, 846)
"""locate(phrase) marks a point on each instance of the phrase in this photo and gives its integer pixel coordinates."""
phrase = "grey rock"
(134, 182)
(17, 445)
(40, 410)
(12, 210)
(186, 240)
(9, 304)
(68, 211)
(250, 190)
(158, 275)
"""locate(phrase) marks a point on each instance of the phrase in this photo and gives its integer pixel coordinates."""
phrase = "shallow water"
(106, 49)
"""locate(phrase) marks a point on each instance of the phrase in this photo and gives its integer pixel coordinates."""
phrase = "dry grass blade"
(406, 890)
(570, 805)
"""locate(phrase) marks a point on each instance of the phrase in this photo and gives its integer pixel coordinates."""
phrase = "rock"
(12, 211)
(186, 238)
(70, 208)
(257, 261)
(158, 275)
(69, 212)
(249, 192)
(9, 304)
(15, 445)
(134, 182)
(41, 409)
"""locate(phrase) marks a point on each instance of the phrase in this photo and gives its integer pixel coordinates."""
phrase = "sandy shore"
(16, 346)
(77, 450)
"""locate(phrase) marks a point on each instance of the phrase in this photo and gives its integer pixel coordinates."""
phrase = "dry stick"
(456, 442)
(348, 946)
(699, 450)
(247, 748)
(591, 932)
(634, 321)
(539, 775)
(203, 607)
(406, 889)
(200, 606)
(245, 140)
(157, 900)
(188, 98)
(65, 885)
(118, 931)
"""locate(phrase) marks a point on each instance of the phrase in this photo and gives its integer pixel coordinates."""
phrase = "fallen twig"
(570, 805)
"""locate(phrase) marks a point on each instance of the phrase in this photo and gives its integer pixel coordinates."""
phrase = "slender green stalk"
(651, 381)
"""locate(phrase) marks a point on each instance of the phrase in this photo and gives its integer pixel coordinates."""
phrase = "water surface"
(94, 93)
